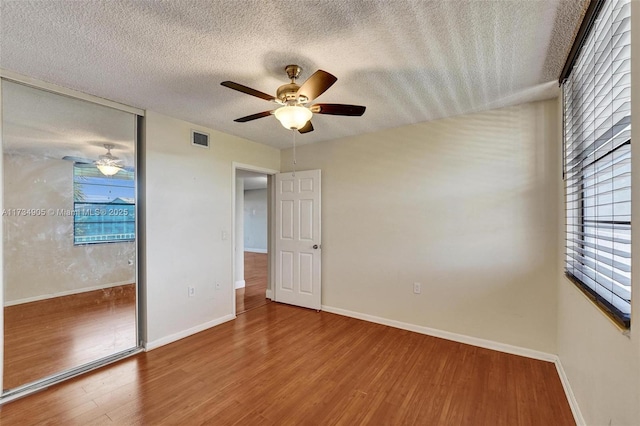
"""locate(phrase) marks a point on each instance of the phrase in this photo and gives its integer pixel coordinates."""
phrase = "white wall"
(255, 220)
(189, 207)
(466, 206)
(601, 363)
(40, 258)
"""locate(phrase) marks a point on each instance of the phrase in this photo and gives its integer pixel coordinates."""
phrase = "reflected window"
(104, 206)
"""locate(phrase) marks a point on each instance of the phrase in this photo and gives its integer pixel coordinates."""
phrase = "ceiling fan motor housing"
(288, 93)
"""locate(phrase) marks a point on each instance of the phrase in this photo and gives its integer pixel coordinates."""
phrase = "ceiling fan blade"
(307, 128)
(253, 116)
(316, 85)
(78, 160)
(247, 90)
(338, 109)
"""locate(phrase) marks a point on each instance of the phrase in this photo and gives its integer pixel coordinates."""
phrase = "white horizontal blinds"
(597, 132)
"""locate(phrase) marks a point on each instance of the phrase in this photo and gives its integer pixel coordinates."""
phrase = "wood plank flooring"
(283, 365)
(255, 276)
(52, 335)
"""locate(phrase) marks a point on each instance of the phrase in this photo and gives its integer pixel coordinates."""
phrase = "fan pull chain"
(294, 152)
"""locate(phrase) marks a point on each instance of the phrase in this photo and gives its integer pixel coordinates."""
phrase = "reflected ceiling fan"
(293, 113)
(108, 164)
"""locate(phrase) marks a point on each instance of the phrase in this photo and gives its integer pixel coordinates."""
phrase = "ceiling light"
(293, 117)
(108, 170)
(108, 164)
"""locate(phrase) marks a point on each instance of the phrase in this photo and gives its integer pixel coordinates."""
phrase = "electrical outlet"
(192, 291)
(417, 288)
(218, 287)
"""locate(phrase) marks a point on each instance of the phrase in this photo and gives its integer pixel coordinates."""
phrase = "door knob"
(315, 247)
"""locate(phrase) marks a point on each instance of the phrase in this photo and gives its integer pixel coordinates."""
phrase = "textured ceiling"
(407, 61)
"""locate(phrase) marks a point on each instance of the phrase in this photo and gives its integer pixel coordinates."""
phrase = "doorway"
(251, 238)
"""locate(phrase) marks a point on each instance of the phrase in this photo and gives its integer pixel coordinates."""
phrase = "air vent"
(199, 139)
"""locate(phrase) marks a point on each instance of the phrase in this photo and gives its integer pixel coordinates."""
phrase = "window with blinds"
(597, 163)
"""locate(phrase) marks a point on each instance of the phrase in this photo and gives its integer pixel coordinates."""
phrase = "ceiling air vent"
(199, 139)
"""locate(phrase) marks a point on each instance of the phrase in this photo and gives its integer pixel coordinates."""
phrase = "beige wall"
(40, 257)
(188, 207)
(465, 206)
(601, 363)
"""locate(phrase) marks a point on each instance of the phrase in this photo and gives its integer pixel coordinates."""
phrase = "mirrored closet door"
(69, 233)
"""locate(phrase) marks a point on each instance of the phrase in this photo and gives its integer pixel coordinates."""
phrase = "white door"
(297, 261)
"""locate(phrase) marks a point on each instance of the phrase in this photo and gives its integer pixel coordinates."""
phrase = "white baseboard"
(255, 250)
(240, 284)
(475, 341)
(64, 293)
(186, 333)
(573, 402)
(268, 294)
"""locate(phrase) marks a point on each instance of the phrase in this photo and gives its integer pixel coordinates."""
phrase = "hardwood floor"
(53, 335)
(279, 364)
(255, 276)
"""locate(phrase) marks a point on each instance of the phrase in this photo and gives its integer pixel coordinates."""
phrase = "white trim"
(66, 293)
(250, 168)
(240, 284)
(268, 294)
(469, 340)
(571, 398)
(186, 333)
(256, 250)
(54, 88)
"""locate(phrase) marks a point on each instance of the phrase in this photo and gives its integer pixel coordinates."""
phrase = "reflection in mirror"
(68, 233)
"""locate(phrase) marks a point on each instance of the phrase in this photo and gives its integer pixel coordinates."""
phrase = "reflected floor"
(53, 335)
(255, 277)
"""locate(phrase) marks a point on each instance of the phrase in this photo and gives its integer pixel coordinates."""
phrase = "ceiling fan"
(293, 113)
(108, 164)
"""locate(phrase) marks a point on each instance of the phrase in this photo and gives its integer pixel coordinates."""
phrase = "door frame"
(235, 166)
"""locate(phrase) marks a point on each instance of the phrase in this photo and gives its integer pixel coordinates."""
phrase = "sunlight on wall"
(465, 206)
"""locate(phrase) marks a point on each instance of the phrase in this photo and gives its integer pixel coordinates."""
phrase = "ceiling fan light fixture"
(108, 169)
(293, 117)
(108, 164)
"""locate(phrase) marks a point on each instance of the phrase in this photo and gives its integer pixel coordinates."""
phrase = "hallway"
(255, 275)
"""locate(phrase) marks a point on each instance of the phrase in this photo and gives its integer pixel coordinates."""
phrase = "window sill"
(613, 320)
